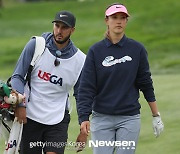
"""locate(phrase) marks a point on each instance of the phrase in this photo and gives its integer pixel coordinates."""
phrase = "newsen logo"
(50, 77)
(119, 144)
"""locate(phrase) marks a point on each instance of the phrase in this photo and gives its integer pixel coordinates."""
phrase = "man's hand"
(158, 125)
(20, 113)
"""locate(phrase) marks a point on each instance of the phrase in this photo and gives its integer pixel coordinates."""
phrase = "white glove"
(158, 125)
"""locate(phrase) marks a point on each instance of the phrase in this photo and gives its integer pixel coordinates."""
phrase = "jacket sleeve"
(87, 88)
(144, 81)
(22, 66)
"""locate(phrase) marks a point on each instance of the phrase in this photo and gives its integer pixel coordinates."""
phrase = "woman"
(115, 70)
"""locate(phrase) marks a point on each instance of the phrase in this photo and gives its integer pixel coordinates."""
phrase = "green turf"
(167, 94)
(153, 23)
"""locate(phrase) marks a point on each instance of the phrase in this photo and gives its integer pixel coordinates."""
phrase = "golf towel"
(12, 146)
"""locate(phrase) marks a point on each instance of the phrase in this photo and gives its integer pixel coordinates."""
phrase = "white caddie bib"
(50, 86)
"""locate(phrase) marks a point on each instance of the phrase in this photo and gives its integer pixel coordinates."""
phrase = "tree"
(1, 3)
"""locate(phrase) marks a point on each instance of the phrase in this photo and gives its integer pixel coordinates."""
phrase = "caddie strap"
(39, 49)
(28, 76)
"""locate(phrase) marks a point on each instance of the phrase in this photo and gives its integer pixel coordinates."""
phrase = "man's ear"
(72, 30)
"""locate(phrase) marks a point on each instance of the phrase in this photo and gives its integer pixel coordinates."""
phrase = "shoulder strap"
(39, 50)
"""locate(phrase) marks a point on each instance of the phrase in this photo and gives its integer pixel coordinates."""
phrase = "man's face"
(62, 32)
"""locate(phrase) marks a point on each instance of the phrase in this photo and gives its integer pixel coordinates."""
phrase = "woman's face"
(116, 23)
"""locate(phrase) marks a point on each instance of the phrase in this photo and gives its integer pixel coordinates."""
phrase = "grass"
(167, 95)
(156, 27)
(166, 88)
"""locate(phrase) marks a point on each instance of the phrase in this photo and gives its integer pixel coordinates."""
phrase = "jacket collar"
(120, 43)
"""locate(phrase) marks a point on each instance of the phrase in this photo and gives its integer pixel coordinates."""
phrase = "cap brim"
(63, 22)
(111, 13)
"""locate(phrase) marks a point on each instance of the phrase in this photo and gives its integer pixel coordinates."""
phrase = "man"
(45, 112)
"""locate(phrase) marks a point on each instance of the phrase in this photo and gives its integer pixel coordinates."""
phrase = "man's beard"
(62, 41)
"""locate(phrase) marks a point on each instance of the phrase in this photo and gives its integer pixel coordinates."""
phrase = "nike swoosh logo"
(109, 60)
(63, 15)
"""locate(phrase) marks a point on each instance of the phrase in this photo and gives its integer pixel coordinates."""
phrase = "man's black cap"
(66, 17)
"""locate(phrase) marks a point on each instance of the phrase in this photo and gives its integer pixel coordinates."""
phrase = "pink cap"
(115, 9)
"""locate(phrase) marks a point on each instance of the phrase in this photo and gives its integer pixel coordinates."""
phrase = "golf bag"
(11, 131)
(10, 128)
